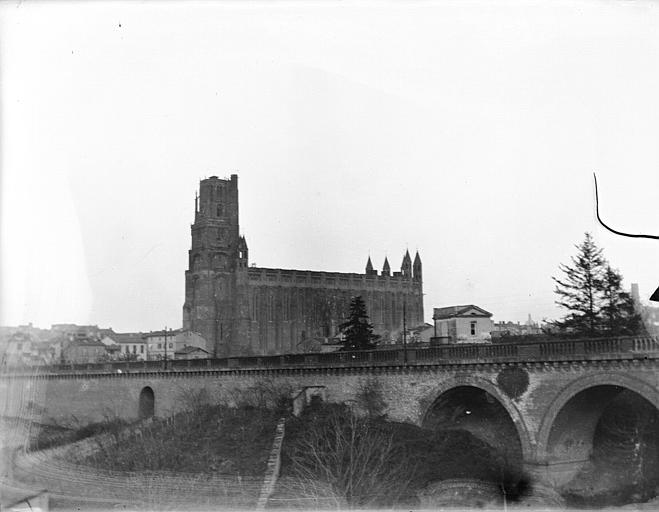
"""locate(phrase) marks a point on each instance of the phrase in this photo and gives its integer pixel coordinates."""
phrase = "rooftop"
(465, 310)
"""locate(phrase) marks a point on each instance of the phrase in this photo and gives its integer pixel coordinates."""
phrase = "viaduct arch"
(567, 429)
(411, 388)
(431, 400)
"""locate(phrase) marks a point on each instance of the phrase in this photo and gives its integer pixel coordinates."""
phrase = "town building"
(132, 345)
(508, 329)
(20, 350)
(417, 335)
(112, 347)
(160, 344)
(462, 324)
(185, 338)
(84, 351)
(74, 331)
(164, 344)
(191, 352)
(240, 309)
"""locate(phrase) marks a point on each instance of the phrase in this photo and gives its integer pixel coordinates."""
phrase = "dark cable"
(597, 209)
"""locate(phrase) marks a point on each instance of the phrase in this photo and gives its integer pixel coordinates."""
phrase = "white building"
(463, 324)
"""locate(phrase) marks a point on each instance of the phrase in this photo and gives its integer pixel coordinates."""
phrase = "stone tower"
(242, 310)
(215, 301)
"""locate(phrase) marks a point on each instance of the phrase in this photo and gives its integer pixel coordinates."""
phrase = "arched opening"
(603, 447)
(478, 412)
(482, 441)
(147, 403)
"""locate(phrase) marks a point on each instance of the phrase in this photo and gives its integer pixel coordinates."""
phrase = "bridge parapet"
(542, 352)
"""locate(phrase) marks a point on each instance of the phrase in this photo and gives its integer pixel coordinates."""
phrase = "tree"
(591, 291)
(356, 459)
(619, 315)
(357, 331)
(581, 289)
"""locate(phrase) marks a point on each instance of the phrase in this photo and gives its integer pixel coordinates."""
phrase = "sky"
(467, 130)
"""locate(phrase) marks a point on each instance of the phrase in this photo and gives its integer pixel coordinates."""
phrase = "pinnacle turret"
(386, 269)
(417, 267)
(406, 266)
(369, 266)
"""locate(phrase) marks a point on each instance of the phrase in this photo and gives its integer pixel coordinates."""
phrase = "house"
(111, 346)
(75, 331)
(507, 329)
(191, 353)
(419, 334)
(161, 344)
(187, 338)
(84, 351)
(131, 345)
(462, 324)
(20, 350)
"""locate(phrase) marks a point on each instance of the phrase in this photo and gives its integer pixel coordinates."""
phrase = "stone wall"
(409, 392)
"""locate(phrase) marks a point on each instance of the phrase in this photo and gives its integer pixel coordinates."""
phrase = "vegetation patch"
(210, 439)
(49, 436)
(331, 457)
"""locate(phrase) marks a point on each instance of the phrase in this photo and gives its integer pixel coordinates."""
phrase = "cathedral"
(243, 310)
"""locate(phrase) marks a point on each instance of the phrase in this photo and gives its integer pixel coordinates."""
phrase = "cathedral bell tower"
(216, 253)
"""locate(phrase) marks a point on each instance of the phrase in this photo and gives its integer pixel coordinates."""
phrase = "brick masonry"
(243, 310)
(410, 393)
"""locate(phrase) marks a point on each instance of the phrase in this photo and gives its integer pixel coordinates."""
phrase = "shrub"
(356, 458)
(265, 395)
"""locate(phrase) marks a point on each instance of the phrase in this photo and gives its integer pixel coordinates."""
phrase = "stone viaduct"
(542, 400)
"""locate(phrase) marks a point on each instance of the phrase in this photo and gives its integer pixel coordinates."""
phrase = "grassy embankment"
(331, 458)
(205, 458)
(211, 440)
(50, 435)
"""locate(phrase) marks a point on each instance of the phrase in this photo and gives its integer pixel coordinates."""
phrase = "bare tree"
(354, 457)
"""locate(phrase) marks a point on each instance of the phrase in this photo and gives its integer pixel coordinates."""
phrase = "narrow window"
(141, 349)
(220, 210)
(473, 328)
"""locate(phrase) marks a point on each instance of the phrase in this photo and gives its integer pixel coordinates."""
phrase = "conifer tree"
(619, 315)
(580, 291)
(591, 292)
(356, 330)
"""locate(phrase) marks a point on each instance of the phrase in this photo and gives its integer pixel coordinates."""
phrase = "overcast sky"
(467, 130)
